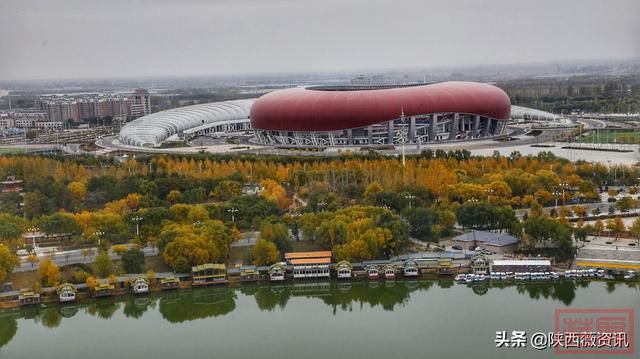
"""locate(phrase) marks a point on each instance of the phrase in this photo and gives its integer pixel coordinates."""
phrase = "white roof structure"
(523, 262)
(519, 112)
(153, 129)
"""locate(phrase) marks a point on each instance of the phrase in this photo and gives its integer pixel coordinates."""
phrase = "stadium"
(327, 116)
(347, 116)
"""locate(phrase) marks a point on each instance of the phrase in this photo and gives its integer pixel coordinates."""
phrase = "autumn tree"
(615, 225)
(49, 273)
(77, 190)
(265, 252)
(33, 259)
(8, 261)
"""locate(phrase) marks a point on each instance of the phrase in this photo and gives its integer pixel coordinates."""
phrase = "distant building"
(11, 184)
(81, 107)
(361, 80)
(494, 242)
(140, 103)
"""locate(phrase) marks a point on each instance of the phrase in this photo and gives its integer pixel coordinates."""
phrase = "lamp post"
(321, 205)
(233, 211)
(99, 234)
(557, 193)
(137, 219)
(563, 185)
(197, 223)
(489, 192)
(410, 197)
(33, 230)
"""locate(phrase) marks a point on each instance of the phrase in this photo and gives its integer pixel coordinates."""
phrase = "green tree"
(276, 233)
(58, 223)
(133, 260)
(265, 253)
(104, 264)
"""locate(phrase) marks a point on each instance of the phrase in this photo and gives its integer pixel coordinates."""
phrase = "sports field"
(608, 136)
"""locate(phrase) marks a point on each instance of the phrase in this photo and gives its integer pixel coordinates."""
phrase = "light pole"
(98, 234)
(563, 185)
(410, 197)
(137, 219)
(197, 223)
(557, 193)
(489, 192)
(321, 205)
(33, 230)
(233, 211)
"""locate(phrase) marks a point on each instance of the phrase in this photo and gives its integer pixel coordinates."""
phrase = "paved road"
(74, 256)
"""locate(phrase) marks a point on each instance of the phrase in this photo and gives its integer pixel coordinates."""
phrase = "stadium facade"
(204, 119)
(380, 115)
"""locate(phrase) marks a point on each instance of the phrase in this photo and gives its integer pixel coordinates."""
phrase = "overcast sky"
(107, 38)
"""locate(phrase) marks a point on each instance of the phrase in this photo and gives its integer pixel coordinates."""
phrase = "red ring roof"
(302, 109)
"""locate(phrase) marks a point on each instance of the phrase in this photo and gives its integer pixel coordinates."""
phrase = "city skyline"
(159, 38)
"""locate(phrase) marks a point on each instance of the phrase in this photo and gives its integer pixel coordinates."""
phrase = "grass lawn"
(23, 279)
(10, 151)
(156, 263)
(622, 137)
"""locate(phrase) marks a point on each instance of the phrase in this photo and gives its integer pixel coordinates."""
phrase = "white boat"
(600, 273)
(410, 272)
(554, 275)
(460, 278)
(140, 285)
(66, 292)
(470, 278)
(629, 275)
(344, 273)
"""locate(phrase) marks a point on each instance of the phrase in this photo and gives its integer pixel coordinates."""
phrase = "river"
(402, 319)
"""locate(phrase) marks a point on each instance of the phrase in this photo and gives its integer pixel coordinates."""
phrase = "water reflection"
(182, 306)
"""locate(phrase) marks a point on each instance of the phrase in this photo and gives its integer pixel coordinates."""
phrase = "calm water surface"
(405, 319)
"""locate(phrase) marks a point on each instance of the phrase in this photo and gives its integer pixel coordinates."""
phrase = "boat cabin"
(28, 298)
(66, 292)
(410, 269)
(480, 264)
(343, 270)
(104, 290)
(249, 274)
(140, 285)
(169, 283)
(209, 273)
(309, 264)
(277, 272)
(445, 266)
(389, 272)
(373, 273)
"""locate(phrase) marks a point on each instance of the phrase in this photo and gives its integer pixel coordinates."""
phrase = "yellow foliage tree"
(77, 190)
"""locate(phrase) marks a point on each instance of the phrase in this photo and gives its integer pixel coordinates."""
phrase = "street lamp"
(233, 211)
(321, 205)
(98, 234)
(563, 185)
(489, 192)
(197, 223)
(137, 219)
(33, 230)
(558, 193)
(410, 197)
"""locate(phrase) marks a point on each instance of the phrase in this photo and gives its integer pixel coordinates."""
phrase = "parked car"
(457, 247)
